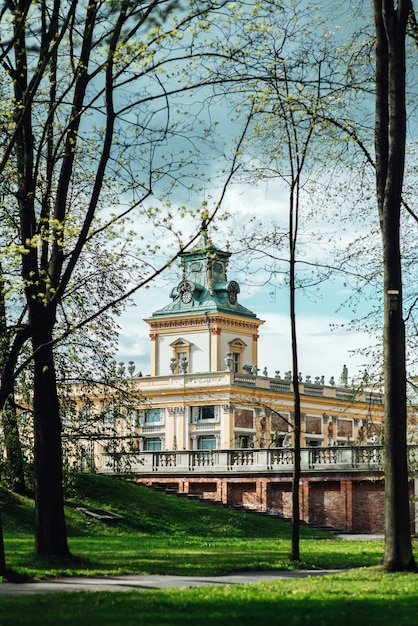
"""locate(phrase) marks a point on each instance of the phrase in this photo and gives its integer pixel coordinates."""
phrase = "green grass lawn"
(167, 535)
(351, 599)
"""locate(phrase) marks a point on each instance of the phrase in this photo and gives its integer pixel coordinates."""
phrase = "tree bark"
(12, 443)
(9, 422)
(390, 140)
(50, 530)
(295, 554)
(293, 226)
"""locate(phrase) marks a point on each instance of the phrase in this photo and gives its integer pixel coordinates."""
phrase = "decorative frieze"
(173, 410)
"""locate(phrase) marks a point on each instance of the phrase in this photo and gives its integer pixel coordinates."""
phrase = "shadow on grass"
(186, 556)
(346, 600)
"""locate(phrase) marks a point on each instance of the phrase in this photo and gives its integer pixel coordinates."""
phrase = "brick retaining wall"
(347, 502)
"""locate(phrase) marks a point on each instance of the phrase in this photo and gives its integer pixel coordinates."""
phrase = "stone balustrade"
(308, 387)
(269, 460)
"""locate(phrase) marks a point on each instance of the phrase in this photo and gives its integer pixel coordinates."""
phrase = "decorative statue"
(228, 361)
(344, 376)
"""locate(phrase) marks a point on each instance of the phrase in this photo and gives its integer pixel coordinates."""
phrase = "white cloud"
(321, 351)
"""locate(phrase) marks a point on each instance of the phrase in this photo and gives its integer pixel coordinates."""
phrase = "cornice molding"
(219, 321)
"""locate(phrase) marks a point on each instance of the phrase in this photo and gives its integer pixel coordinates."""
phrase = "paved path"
(150, 582)
(354, 537)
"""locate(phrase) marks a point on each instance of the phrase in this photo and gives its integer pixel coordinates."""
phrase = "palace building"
(208, 423)
(206, 391)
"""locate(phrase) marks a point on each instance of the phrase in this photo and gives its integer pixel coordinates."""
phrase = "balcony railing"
(271, 460)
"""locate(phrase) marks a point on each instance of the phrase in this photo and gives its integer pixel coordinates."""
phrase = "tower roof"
(204, 287)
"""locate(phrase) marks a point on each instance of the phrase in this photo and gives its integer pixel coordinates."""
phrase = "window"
(65, 416)
(207, 412)
(147, 417)
(207, 443)
(108, 414)
(237, 348)
(152, 444)
(152, 416)
(181, 353)
(84, 415)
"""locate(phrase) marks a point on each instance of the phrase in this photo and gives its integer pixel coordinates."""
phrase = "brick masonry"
(343, 501)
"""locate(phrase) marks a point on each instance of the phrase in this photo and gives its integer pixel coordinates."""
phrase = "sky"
(326, 339)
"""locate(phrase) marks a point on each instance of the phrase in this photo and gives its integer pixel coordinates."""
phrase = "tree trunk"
(13, 447)
(50, 531)
(2, 554)
(9, 423)
(295, 555)
(293, 226)
(390, 140)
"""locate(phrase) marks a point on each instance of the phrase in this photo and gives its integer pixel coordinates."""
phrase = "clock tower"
(204, 328)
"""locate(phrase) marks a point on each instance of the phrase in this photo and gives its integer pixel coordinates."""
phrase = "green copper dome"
(204, 287)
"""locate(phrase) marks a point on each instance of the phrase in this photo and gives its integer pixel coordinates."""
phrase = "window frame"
(208, 438)
(155, 440)
(205, 407)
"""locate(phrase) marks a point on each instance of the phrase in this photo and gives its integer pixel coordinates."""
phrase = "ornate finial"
(229, 361)
(205, 216)
(131, 368)
(204, 229)
(183, 365)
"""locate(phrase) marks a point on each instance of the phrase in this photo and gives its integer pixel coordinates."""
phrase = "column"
(346, 487)
(215, 352)
(186, 422)
(226, 426)
(154, 353)
(304, 500)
